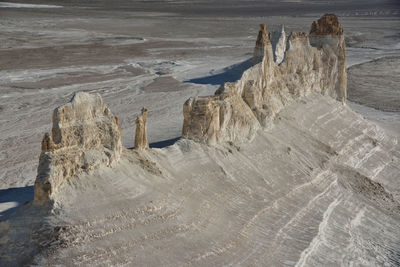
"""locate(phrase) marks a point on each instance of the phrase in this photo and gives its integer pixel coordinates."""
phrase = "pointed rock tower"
(141, 141)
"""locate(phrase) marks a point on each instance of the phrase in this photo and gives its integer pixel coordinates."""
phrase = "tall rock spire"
(141, 141)
(278, 41)
(262, 40)
(327, 33)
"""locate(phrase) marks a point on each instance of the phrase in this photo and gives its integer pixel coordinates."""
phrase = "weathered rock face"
(283, 72)
(278, 41)
(328, 24)
(85, 135)
(221, 117)
(141, 141)
(261, 42)
(327, 35)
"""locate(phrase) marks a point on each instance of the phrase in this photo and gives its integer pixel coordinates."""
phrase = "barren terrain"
(320, 187)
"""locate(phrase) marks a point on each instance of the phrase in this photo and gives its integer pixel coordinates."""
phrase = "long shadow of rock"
(16, 197)
(228, 74)
(162, 144)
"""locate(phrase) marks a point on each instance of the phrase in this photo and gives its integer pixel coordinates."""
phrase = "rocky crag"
(141, 141)
(85, 135)
(283, 71)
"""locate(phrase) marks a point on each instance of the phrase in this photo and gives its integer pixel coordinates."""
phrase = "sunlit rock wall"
(301, 65)
(85, 135)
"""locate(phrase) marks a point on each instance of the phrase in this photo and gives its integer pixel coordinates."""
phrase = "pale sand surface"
(376, 84)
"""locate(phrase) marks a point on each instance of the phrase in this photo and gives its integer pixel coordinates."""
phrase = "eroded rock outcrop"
(327, 35)
(278, 41)
(283, 72)
(221, 117)
(261, 42)
(141, 141)
(85, 135)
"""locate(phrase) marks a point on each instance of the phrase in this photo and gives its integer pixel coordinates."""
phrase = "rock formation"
(282, 73)
(320, 189)
(261, 42)
(278, 41)
(221, 117)
(85, 135)
(141, 141)
(327, 34)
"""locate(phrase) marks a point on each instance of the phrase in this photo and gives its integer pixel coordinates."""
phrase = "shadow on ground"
(13, 198)
(228, 74)
(162, 144)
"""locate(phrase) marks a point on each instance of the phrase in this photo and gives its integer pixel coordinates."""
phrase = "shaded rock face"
(285, 69)
(261, 42)
(278, 41)
(141, 141)
(327, 35)
(85, 135)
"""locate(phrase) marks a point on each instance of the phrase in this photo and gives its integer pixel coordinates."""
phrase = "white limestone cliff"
(85, 135)
(315, 63)
(327, 35)
(278, 41)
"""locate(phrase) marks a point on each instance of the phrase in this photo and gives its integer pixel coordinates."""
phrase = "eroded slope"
(319, 188)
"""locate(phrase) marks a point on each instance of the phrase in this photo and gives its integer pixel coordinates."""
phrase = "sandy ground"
(377, 79)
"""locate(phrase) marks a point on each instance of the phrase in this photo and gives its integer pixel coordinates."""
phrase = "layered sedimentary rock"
(141, 141)
(283, 72)
(221, 117)
(328, 24)
(320, 188)
(261, 42)
(327, 35)
(85, 135)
